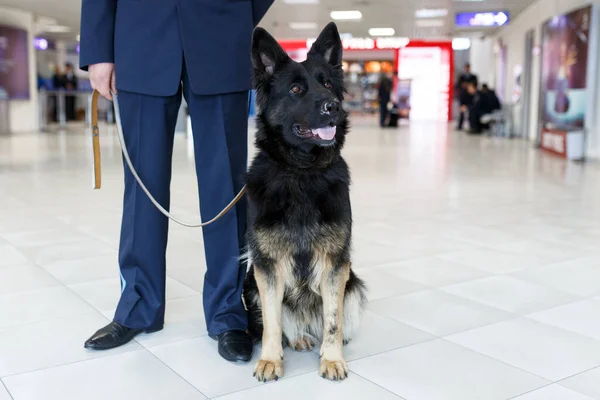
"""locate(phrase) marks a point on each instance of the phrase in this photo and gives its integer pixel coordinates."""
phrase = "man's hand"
(102, 78)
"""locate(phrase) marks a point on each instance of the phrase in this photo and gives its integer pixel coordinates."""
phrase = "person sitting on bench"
(485, 102)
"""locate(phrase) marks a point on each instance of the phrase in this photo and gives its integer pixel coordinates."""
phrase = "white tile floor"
(481, 255)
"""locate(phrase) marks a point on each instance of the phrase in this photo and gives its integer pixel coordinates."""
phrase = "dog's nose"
(331, 106)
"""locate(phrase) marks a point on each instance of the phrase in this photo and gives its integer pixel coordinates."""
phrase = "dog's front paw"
(336, 370)
(267, 370)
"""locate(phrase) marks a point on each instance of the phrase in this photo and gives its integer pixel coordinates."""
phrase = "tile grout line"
(263, 384)
(6, 388)
(70, 363)
(395, 348)
(531, 391)
(171, 342)
(175, 372)
(513, 314)
(378, 385)
(62, 284)
(184, 284)
(497, 360)
(524, 315)
(574, 375)
(297, 376)
(510, 317)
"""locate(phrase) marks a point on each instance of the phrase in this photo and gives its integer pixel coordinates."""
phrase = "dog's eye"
(328, 84)
(295, 89)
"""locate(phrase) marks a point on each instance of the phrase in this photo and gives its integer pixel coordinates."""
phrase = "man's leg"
(70, 107)
(461, 120)
(382, 114)
(220, 128)
(149, 127)
(474, 123)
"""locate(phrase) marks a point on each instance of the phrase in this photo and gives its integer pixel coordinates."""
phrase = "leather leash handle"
(96, 142)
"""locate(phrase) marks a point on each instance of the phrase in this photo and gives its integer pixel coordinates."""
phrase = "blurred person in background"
(464, 97)
(58, 83)
(383, 97)
(70, 84)
(490, 108)
(485, 102)
(58, 79)
(153, 52)
(492, 103)
(476, 108)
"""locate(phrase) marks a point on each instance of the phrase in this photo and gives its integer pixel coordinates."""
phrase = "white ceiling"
(398, 14)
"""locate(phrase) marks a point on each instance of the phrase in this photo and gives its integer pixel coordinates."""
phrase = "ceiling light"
(301, 1)
(461, 44)
(430, 23)
(431, 13)
(40, 43)
(382, 31)
(346, 15)
(46, 21)
(303, 25)
(55, 28)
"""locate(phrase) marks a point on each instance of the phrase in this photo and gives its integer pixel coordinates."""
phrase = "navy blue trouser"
(383, 113)
(220, 128)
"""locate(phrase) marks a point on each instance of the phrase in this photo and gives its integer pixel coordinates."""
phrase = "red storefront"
(426, 66)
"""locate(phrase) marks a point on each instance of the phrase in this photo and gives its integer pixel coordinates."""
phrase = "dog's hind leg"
(251, 299)
(333, 284)
(300, 329)
(355, 299)
(270, 287)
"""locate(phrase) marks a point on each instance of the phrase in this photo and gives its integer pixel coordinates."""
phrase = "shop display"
(362, 79)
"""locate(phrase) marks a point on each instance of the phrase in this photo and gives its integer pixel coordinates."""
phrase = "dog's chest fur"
(299, 219)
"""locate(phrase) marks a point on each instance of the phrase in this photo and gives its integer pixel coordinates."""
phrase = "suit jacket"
(149, 40)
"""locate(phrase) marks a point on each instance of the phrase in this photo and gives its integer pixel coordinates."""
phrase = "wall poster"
(14, 63)
(564, 86)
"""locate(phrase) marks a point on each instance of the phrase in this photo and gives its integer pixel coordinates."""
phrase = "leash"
(97, 166)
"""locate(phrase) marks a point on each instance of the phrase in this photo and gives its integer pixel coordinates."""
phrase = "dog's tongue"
(325, 133)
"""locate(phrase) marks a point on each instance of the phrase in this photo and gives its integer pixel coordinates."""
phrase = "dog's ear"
(267, 54)
(328, 46)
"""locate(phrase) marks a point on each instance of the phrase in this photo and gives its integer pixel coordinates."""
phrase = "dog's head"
(300, 104)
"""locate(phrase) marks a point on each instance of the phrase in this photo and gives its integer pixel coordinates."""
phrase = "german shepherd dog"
(300, 288)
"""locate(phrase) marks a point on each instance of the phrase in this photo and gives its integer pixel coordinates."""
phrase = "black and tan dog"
(300, 288)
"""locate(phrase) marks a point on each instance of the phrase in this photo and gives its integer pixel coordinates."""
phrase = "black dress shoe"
(235, 346)
(113, 335)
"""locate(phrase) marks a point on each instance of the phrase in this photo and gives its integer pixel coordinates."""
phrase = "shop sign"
(387, 43)
(482, 19)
